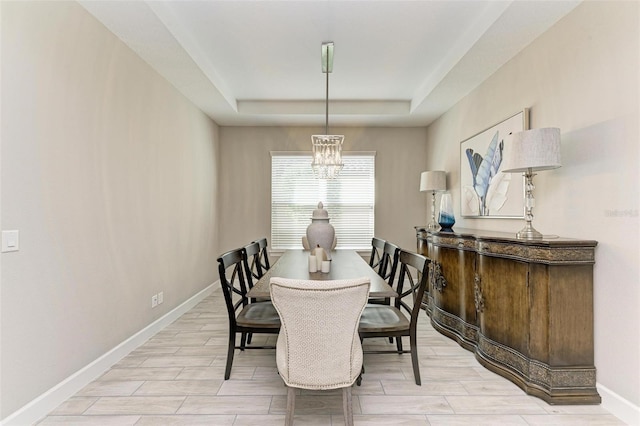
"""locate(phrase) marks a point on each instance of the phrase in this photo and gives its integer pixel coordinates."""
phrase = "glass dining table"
(344, 264)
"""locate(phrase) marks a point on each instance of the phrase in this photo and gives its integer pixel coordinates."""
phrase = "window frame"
(308, 206)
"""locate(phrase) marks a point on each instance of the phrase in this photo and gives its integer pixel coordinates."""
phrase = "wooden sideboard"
(524, 307)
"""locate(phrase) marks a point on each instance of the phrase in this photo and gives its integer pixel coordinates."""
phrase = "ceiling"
(396, 63)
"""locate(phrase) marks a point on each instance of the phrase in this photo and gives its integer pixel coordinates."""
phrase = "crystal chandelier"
(327, 149)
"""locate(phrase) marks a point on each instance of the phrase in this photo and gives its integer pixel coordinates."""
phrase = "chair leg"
(291, 406)
(399, 344)
(414, 357)
(230, 352)
(347, 406)
(243, 341)
(249, 336)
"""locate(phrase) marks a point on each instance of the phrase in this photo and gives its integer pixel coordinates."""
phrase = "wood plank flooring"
(176, 378)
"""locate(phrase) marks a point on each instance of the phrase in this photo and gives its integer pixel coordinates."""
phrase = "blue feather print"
(475, 160)
(487, 170)
(496, 161)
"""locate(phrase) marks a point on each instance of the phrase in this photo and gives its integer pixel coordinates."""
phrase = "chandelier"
(327, 149)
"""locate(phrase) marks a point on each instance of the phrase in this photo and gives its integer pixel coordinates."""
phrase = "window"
(349, 199)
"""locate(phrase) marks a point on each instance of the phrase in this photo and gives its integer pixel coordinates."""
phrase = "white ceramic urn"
(321, 232)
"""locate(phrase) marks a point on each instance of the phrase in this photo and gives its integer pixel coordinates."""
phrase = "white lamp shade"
(435, 180)
(535, 149)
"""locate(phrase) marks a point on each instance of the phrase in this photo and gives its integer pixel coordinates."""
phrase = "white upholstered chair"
(318, 345)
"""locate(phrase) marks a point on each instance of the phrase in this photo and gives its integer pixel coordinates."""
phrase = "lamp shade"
(433, 181)
(535, 149)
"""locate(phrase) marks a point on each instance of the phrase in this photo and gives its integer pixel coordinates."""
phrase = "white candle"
(313, 264)
(319, 253)
(326, 266)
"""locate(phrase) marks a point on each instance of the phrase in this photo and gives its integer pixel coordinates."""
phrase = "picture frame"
(486, 192)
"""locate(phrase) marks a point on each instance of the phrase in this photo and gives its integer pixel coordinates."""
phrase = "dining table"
(345, 264)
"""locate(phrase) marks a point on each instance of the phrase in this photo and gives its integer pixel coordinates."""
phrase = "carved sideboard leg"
(438, 281)
(477, 295)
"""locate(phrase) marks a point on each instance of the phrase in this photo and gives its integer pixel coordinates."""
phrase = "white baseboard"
(45, 403)
(618, 406)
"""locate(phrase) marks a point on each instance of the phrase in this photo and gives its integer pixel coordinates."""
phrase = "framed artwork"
(485, 191)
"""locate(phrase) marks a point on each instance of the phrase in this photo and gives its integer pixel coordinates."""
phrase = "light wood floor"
(176, 378)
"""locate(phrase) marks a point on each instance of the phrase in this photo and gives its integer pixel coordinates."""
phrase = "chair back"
(253, 261)
(389, 262)
(377, 246)
(235, 282)
(263, 258)
(318, 346)
(412, 281)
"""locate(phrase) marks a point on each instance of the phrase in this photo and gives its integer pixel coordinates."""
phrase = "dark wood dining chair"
(377, 246)
(253, 261)
(391, 321)
(387, 270)
(255, 271)
(264, 254)
(389, 262)
(244, 317)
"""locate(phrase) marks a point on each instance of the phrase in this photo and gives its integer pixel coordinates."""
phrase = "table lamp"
(527, 152)
(434, 181)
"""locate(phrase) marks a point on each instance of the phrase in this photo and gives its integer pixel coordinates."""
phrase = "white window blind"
(349, 199)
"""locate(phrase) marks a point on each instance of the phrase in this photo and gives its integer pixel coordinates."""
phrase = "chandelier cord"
(326, 149)
(326, 122)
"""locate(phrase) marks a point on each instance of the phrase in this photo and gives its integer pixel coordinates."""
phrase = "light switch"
(10, 241)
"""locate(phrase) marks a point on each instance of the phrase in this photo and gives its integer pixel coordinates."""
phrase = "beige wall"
(109, 174)
(245, 194)
(582, 76)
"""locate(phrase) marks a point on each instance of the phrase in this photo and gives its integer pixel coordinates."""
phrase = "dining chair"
(254, 271)
(388, 268)
(244, 317)
(253, 261)
(377, 246)
(318, 346)
(391, 321)
(389, 262)
(264, 254)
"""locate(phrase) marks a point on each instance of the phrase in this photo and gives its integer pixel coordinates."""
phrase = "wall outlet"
(10, 241)
(160, 297)
(154, 300)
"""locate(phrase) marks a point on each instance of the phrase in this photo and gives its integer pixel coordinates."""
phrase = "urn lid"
(320, 212)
